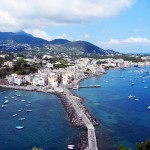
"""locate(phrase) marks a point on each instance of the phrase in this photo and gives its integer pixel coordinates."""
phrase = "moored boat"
(23, 100)
(21, 119)
(6, 102)
(3, 106)
(29, 110)
(14, 115)
(19, 110)
(19, 127)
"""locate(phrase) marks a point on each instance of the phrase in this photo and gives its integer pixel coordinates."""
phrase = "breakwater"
(77, 113)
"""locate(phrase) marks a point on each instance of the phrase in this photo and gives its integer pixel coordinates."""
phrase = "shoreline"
(73, 118)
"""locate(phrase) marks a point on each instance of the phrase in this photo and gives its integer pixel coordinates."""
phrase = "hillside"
(23, 42)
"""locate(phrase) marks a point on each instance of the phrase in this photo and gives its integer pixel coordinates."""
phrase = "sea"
(123, 120)
(120, 105)
(46, 127)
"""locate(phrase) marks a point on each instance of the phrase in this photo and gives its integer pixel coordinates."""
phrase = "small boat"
(12, 97)
(6, 97)
(29, 110)
(19, 127)
(19, 110)
(3, 106)
(18, 95)
(14, 115)
(136, 99)
(6, 102)
(21, 119)
(23, 100)
(70, 146)
(28, 105)
(130, 96)
(145, 87)
(148, 107)
(132, 84)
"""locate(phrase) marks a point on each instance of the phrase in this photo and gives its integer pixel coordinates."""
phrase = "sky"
(121, 25)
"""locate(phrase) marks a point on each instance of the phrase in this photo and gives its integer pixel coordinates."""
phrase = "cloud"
(40, 34)
(30, 14)
(130, 40)
(131, 43)
(86, 36)
(44, 35)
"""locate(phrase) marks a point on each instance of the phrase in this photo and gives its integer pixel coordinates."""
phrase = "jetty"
(89, 86)
(92, 142)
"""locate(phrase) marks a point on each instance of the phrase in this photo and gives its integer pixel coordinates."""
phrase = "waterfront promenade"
(92, 143)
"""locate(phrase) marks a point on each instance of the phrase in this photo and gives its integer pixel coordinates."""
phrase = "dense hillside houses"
(51, 76)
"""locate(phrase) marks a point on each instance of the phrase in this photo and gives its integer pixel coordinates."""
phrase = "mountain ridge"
(11, 39)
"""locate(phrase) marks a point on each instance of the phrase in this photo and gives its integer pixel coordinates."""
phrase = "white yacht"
(14, 115)
(70, 146)
(19, 127)
(3, 106)
(130, 96)
(148, 107)
(29, 110)
(23, 100)
(6, 102)
(21, 119)
(19, 110)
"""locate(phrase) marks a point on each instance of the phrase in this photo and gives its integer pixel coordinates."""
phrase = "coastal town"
(51, 77)
(48, 78)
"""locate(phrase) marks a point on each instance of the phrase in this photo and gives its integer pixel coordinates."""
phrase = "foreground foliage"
(35, 148)
(139, 146)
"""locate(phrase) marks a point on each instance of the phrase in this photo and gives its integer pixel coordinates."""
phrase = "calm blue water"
(46, 127)
(122, 120)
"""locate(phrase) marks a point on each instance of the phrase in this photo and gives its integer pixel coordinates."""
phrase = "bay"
(122, 120)
(46, 126)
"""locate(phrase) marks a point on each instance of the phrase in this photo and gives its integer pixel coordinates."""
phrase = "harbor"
(78, 115)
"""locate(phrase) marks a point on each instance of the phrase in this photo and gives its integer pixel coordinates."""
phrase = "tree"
(35, 148)
(121, 147)
(143, 145)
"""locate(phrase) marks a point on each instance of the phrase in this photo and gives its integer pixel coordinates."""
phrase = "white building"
(8, 63)
(40, 81)
(49, 65)
(19, 80)
(53, 81)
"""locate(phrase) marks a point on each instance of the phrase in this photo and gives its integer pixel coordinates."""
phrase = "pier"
(92, 143)
(89, 86)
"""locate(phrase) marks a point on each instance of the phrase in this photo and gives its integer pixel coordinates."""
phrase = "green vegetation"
(5, 71)
(35, 148)
(60, 65)
(139, 146)
(121, 147)
(144, 145)
(21, 67)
